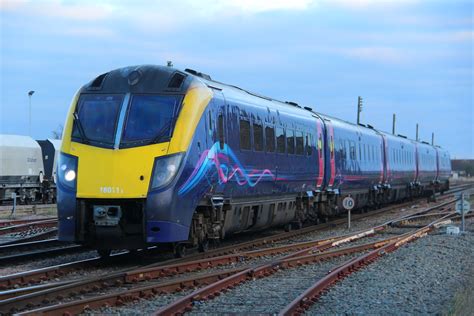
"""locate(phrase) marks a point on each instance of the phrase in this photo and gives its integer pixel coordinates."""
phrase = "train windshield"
(150, 119)
(96, 118)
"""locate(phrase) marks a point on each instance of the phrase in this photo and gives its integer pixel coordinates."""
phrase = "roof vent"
(199, 74)
(176, 80)
(308, 108)
(423, 142)
(98, 82)
(402, 136)
(293, 103)
(370, 126)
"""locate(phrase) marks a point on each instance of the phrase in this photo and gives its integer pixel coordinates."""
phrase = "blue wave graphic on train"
(227, 165)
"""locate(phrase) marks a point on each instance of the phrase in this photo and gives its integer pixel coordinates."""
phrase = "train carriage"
(426, 166)
(154, 155)
(443, 161)
(401, 166)
(357, 163)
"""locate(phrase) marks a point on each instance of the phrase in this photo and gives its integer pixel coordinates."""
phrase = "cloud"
(57, 9)
(377, 53)
(369, 4)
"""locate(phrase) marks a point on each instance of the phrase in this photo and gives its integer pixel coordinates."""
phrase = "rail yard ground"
(28, 211)
(431, 275)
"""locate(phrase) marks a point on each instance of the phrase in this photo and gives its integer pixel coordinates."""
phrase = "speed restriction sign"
(348, 203)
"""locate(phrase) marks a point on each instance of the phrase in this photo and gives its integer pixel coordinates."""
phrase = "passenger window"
(244, 134)
(299, 143)
(309, 145)
(353, 151)
(258, 137)
(347, 149)
(281, 140)
(270, 139)
(290, 141)
(221, 130)
(210, 121)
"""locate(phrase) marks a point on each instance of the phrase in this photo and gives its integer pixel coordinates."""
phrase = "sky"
(409, 57)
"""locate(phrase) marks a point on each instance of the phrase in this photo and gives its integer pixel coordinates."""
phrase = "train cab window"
(270, 139)
(299, 143)
(149, 118)
(244, 134)
(290, 141)
(257, 137)
(281, 140)
(220, 130)
(98, 115)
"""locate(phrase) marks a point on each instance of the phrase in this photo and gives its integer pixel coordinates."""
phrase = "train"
(28, 169)
(154, 155)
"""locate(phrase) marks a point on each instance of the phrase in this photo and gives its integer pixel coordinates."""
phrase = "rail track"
(169, 269)
(48, 273)
(16, 222)
(18, 252)
(40, 295)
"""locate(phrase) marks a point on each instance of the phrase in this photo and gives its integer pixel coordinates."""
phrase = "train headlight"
(67, 170)
(165, 169)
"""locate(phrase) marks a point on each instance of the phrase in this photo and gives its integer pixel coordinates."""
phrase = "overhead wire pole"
(359, 109)
(30, 94)
(393, 124)
(417, 139)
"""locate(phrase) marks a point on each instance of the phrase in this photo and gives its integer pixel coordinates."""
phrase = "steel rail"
(28, 226)
(41, 236)
(88, 285)
(189, 282)
(311, 295)
(211, 291)
(16, 222)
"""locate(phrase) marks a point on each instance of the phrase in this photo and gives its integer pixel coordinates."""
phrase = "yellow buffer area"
(107, 173)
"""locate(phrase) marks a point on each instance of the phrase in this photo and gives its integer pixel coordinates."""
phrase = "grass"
(463, 301)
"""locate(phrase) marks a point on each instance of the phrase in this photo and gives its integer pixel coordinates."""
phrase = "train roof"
(290, 106)
(17, 141)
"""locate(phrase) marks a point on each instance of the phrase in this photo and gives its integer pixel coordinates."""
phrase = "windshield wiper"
(80, 128)
(162, 132)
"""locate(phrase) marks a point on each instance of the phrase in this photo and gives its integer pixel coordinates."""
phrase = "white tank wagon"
(21, 168)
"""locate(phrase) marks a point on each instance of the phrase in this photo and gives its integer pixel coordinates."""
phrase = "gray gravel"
(419, 278)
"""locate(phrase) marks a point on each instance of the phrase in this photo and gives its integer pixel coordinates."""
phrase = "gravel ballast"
(419, 278)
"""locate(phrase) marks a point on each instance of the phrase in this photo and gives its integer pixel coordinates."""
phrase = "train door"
(330, 159)
(216, 139)
(222, 158)
(320, 153)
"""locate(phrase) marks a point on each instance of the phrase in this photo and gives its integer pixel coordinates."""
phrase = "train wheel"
(104, 253)
(180, 251)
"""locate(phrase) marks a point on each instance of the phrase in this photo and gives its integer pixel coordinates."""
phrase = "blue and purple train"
(152, 155)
